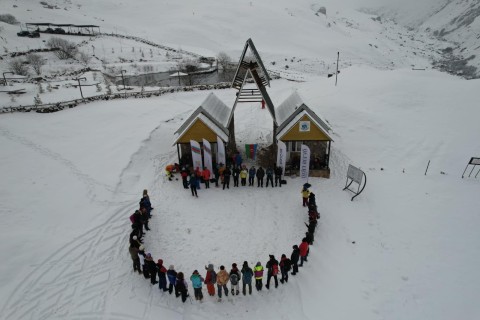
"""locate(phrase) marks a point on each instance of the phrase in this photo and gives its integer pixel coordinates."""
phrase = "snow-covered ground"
(407, 248)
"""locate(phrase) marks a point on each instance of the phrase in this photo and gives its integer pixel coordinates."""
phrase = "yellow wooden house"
(298, 125)
(207, 122)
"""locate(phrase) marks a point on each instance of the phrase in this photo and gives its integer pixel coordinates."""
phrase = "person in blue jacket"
(269, 175)
(172, 279)
(251, 175)
(193, 184)
(197, 281)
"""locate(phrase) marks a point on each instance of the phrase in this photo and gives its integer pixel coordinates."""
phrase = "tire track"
(85, 178)
(39, 290)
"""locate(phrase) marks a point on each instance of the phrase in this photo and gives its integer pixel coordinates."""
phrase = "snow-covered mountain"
(456, 22)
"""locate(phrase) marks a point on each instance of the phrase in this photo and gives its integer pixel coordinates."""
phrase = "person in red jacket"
(303, 251)
(210, 279)
(206, 177)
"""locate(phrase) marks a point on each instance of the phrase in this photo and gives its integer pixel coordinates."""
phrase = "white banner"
(281, 155)
(220, 152)
(196, 155)
(305, 163)
(207, 156)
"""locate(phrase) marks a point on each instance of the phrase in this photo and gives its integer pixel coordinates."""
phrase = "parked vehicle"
(34, 34)
(49, 30)
(59, 31)
(23, 33)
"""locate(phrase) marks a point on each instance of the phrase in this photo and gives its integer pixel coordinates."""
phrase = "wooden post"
(336, 73)
(427, 167)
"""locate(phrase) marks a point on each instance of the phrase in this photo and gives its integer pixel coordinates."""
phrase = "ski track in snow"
(90, 182)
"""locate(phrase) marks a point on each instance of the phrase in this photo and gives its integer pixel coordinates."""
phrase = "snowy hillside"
(457, 23)
(406, 248)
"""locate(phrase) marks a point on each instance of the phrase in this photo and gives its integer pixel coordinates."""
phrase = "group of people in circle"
(217, 281)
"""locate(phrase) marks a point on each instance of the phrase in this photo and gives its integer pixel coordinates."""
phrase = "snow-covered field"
(407, 248)
(72, 178)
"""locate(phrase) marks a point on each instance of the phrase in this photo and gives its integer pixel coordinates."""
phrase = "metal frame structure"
(355, 175)
(473, 162)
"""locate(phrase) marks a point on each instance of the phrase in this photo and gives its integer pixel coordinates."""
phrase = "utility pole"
(80, 86)
(336, 73)
(5, 79)
(123, 80)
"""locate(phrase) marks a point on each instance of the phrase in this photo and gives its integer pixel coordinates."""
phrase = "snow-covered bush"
(36, 62)
(66, 49)
(18, 66)
(8, 18)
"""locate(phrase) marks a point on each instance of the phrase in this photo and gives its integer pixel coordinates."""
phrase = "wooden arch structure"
(250, 69)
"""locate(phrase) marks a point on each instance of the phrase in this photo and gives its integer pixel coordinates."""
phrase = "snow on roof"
(214, 110)
(291, 110)
(284, 110)
(217, 109)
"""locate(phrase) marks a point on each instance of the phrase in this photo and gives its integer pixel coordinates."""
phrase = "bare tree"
(224, 60)
(18, 66)
(66, 49)
(189, 67)
(83, 58)
(36, 62)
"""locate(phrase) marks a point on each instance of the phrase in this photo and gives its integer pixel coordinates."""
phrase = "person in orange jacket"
(206, 177)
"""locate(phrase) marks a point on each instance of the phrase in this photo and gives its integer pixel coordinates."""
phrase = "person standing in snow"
(260, 175)
(193, 185)
(198, 176)
(181, 286)
(243, 176)
(197, 285)
(258, 272)
(145, 217)
(278, 176)
(210, 279)
(247, 274)
(235, 276)
(145, 202)
(206, 177)
(303, 251)
(235, 175)
(226, 178)
(133, 250)
(251, 175)
(184, 175)
(272, 271)
(294, 257)
(285, 265)
(305, 193)
(152, 268)
(172, 279)
(162, 276)
(134, 242)
(269, 176)
(141, 256)
(222, 280)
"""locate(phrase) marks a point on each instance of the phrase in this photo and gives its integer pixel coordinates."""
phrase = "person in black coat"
(260, 175)
(151, 267)
(294, 259)
(235, 175)
(278, 176)
(226, 178)
(272, 268)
